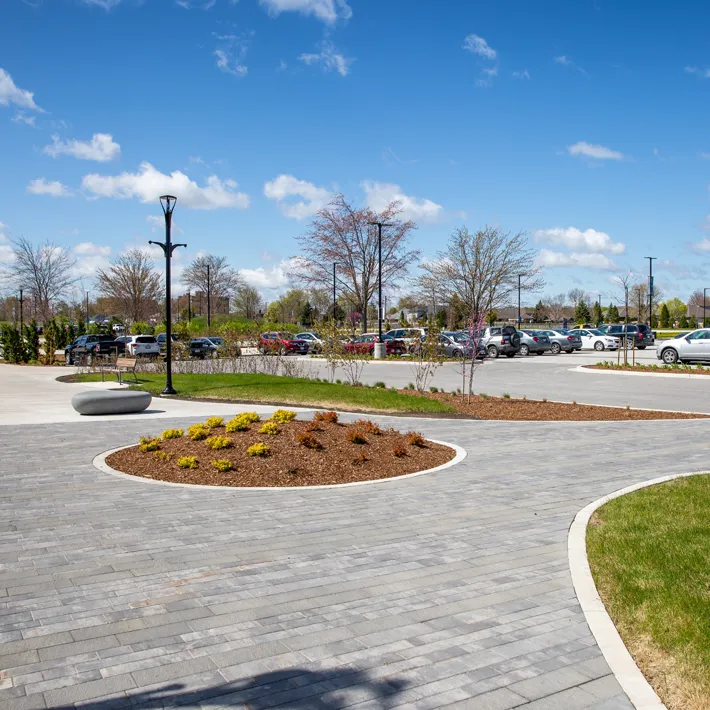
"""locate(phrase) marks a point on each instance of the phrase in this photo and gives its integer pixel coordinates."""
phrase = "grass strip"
(649, 553)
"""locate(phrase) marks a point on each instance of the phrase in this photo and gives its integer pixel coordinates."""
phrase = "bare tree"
(576, 295)
(212, 274)
(696, 298)
(638, 298)
(342, 235)
(483, 268)
(131, 285)
(555, 307)
(44, 272)
(247, 301)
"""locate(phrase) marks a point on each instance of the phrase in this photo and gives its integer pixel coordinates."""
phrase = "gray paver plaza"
(446, 590)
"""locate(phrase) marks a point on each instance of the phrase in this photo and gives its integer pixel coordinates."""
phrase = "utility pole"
(189, 312)
(209, 304)
(705, 290)
(335, 301)
(380, 350)
(651, 259)
(520, 320)
(22, 300)
(87, 308)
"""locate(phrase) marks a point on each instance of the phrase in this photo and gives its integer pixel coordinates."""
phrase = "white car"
(593, 339)
(140, 345)
(315, 342)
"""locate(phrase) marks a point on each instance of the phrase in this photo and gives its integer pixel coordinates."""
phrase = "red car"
(365, 345)
(282, 343)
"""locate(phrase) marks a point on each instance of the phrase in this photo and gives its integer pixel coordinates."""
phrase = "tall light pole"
(335, 298)
(167, 202)
(87, 308)
(380, 350)
(651, 259)
(209, 295)
(520, 320)
(22, 300)
(705, 290)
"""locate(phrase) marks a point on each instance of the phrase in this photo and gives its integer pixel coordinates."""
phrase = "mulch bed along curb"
(289, 463)
(649, 370)
(501, 409)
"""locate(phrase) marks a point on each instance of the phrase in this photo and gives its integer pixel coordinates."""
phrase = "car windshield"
(217, 341)
(284, 336)
(145, 339)
(596, 332)
(458, 337)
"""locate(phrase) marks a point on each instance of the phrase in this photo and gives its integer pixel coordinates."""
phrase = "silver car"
(686, 347)
(315, 342)
(533, 341)
(562, 340)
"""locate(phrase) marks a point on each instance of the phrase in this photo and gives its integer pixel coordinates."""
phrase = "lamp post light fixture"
(380, 350)
(167, 202)
(651, 259)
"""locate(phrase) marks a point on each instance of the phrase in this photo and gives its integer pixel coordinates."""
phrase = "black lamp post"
(705, 290)
(167, 202)
(379, 275)
(651, 259)
(519, 289)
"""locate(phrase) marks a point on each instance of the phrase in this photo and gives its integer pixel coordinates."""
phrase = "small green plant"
(506, 395)
(258, 449)
(147, 445)
(433, 389)
(483, 396)
(414, 438)
(355, 437)
(172, 434)
(214, 422)
(270, 428)
(380, 385)
(628, 407)
(222, 465)
(399, 451)
(162, 456)
(368, 427)
(198, 432)
(410, 386)
(327, 417)
(249, 417)
(338, 382)
(283, 416)
(236, 424)
(218, 442)
(309, 441)
(187, 462)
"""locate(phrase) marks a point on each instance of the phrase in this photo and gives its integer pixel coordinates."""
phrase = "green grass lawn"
(287, 390)
(650, 556)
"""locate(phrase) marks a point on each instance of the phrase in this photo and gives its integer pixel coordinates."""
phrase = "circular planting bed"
(278, 452)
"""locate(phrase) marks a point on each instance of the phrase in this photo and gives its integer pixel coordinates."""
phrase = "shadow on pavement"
(292, 688)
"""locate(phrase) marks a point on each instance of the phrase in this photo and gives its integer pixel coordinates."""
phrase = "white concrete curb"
(680, 375)
(100, 463)
(622, 665)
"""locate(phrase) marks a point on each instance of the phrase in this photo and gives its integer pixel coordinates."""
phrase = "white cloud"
(229, 64)
(700, 73)
(11, 94)
(101, 148)
(378, 195)
(704, 156)
(525, 74)
(575, 239)
(54, 188)
(148, 184)
(231, 53)
(286, 186)
(702, 246)
(565, 61)
(6, 252)
(20, 117)
(89, 258)
(329, 11)
(478, 45)
(598, 152)
(330, 58)
(556, 259)
(274, 278)
(105, 4)
(91, 249)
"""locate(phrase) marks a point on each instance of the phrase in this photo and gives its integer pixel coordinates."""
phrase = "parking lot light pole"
(705, 290)
(335, 299)
(380, 350)
(520, 320)
(167, 202)
(651, 259)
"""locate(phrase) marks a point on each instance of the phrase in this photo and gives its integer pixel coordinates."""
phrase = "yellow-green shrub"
(149, 445)
(218, 442)
(250, 417)
(187, 462)
(282, 416)
(237, 424)
(269, 428)
(197, 432)
(258, 450)
(222, 465)
(214, 422)
(162, 456)
(172, 434)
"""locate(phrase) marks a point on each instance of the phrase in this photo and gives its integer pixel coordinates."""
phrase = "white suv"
(411, 337)
(140, 345)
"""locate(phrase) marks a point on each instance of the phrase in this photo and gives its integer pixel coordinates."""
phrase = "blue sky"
(583, 123)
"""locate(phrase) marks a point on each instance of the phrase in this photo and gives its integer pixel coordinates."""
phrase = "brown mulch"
(500, 408)
(650, 370)
(289, 463)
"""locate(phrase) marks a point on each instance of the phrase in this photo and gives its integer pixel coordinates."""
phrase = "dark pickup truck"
(87, 347)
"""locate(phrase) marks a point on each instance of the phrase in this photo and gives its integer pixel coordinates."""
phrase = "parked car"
(533, 341)
(315, 342)
(224, 349)
(202, 348)
(500, 340)
(282, 343)
(365, 344)
(637, 335)
(454, 345)
(688, 347)
(162, 339)
(594, 339)
(562, 340)
(411, 337)
(87, 347)
(140, 345)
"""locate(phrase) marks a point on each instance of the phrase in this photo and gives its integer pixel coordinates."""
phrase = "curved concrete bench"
(111, 402)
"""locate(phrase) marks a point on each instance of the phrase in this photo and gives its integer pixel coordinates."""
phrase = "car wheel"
(555, 348)
(524, 350)
(669, 356)
(457, 354)
(492, 352)
(599, 345)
